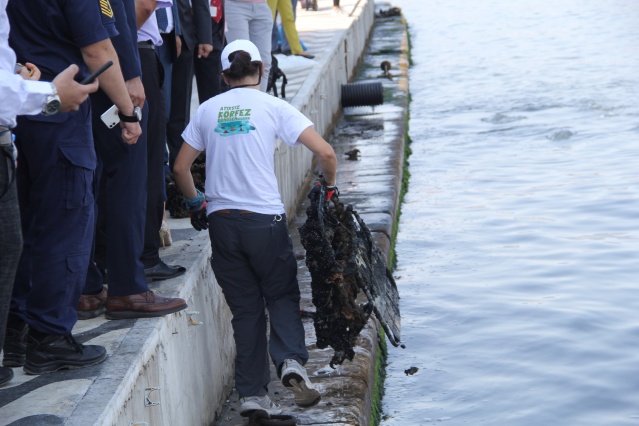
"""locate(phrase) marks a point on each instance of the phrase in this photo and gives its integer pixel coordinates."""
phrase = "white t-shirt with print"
(238, 130)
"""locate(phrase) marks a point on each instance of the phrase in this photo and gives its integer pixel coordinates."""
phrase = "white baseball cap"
(236, 45)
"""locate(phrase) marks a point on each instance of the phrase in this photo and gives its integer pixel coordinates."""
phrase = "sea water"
(518, 244)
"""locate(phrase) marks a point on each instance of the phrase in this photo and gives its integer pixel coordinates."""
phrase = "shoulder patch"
(105, 7)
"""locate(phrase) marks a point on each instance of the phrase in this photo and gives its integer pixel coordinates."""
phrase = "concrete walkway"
(177, 370)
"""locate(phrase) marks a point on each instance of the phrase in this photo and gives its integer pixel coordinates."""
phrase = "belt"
(5, 136)
(146, 45)
(229, 211)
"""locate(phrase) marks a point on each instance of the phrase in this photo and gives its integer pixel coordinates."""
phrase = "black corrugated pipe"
(362, 94)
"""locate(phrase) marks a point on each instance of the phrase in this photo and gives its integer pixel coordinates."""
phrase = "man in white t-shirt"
(253, 257)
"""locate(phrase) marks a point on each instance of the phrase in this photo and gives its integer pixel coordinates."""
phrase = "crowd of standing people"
(82, 203)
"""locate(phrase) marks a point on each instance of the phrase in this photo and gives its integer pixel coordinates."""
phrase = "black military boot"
(47, 353)
(15, 343)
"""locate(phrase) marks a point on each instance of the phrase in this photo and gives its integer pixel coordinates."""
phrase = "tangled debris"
(343, 259)
(174, 199)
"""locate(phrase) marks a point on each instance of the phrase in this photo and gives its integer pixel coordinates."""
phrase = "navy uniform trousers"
(122, 205)
(254, 264)
(56, 163)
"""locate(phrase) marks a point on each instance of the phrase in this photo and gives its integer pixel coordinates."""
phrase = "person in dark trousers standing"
(21, 97)
(208, 69)
(149, 40)
(122, 198)
(195, 23)
(252, 257)
(55, 183)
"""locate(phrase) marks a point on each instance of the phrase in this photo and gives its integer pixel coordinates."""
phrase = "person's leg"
(238, 15)
(10, 237)
(181, 91)
(285, 44)
(275, 35)
(260, 29)
(285, 10)
(270, 252)
(242, 293)
(207, 75)
(122, 201)
(156, 136)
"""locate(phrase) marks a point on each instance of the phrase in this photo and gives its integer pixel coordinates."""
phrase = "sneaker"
(294, 378)
(15, 343)
(250, 404)
(92, 305)
(47, 353)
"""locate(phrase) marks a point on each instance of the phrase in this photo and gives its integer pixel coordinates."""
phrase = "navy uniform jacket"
(50, 33)
(126, 43)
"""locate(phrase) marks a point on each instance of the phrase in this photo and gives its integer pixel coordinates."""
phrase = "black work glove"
(199, 221)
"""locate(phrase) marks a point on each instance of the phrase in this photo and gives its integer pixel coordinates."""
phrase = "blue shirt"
(50, 33)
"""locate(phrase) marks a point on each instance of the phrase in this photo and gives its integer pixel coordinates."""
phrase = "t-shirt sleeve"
(291, 124)
(88, 25)
(193, 134)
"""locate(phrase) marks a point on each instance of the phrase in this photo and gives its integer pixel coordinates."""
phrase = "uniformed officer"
(21, 97)
(122, 198)
(55, 179)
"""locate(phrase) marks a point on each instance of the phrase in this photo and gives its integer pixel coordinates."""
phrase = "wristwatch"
(135, 118)
(52, 104)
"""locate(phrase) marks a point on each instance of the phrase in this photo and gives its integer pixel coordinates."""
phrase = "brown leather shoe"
(91, 306)
(143, 305)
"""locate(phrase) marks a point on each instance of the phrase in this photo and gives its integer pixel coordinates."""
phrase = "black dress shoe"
(162, 271)
(15, 343)
(6, 374)
(47, 353)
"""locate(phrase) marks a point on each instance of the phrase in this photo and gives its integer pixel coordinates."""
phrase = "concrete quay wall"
(319, 98)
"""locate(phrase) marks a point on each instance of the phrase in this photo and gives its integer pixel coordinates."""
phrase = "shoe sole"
(150, 277)
(85, 315)
(249, 412)
(304, 397)
(114, 315)
(14, 360)
(52, 367)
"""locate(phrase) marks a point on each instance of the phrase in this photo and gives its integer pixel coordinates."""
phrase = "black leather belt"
(146, 45)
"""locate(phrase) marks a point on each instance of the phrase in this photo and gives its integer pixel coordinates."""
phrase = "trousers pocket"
(79, 164)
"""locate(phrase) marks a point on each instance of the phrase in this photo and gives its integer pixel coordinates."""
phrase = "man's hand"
(203, 50)
(130, 132)
(72, 93)
(29, 72)
(136, 91)
(178, 45)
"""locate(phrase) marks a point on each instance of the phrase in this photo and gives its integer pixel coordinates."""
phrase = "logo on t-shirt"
(233, 121)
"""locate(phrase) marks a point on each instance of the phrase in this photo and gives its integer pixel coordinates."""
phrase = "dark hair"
(241, 65)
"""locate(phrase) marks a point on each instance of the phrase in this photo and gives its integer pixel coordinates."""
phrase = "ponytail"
(241, 66)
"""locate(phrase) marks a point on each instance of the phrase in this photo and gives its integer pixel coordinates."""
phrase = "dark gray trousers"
(10, 238)
(254, 265)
